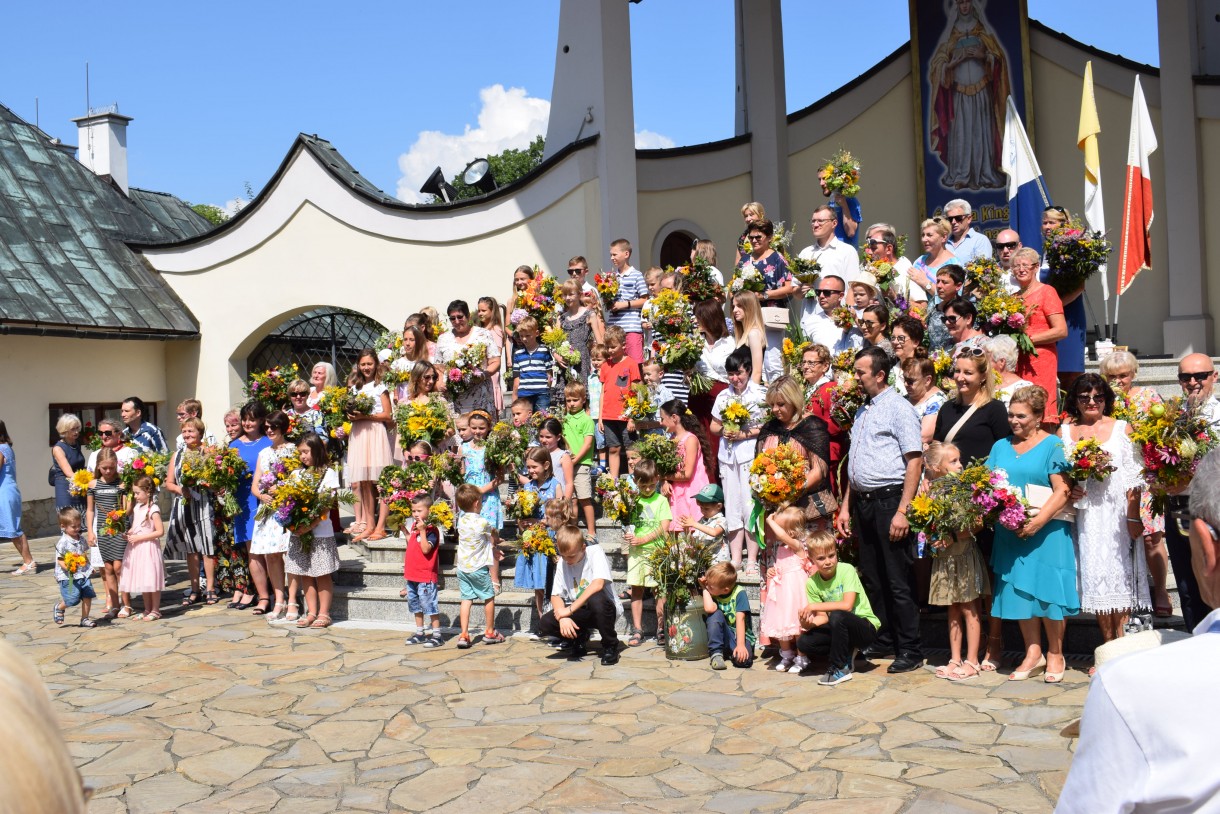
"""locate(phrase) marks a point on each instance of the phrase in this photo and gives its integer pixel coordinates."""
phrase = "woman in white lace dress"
(1112, 575)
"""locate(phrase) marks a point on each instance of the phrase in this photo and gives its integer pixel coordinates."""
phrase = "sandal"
(57, 614)
(625, 594)
(125, 612)
(948, 670)
(966, 671)
(25, 568)
(277, 613)
(320, 622)
(464, 642)
(263, 610)
(493, 637)
(987, 665)
(306, 620)
(291, 615)
(211, 598)
(635, 639)
(496, 587)
(152, 616)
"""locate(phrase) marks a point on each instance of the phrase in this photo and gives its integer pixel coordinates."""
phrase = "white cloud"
(648, 140)
(233, 206)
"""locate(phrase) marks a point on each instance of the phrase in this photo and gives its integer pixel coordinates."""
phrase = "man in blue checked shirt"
(140, 432)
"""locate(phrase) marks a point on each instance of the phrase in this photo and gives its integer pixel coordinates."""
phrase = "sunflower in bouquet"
(1003, 313)
(777, 475)
(448, 466)
(619, 497)
(846, 397)
(465, 369)
(607, 283)
(524, 504)
(1088, 460)
(271, 386)
(735, 415)
(426, 421)
(662, 451)
(1073, 254)
(638, 404)
(1173, 437)
(841, 174)
(441, 515)
(537, 540)
(144, 463)
(697, 281)
(925, 515)
(74, 562)
(79, 485)
(792, 353)
(333, 403)
(748, 278)
(506, 445)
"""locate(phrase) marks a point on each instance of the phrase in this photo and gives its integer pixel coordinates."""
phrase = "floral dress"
(474, 459)
(530, 570)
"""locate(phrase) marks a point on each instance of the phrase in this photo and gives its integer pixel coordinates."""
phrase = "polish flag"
(1135, 252)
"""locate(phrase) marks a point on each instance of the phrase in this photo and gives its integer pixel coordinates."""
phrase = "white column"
(762, 103)
(1188, 328)
(592, 94)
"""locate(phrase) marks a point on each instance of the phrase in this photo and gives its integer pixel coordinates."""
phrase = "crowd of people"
(937, 392)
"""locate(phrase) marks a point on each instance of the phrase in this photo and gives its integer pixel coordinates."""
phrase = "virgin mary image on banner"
(969, 81)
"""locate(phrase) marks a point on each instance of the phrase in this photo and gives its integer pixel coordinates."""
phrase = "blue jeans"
(541, 401)
(723, 639)
(72, 591)
(422, 598)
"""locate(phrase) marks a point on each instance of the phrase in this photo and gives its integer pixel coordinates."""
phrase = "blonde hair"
(754, 211)
(1119, 360)
(561, 510)
(820, 542)
(1033, 396)
(577, 390)
(792, 520)
(939, 224)
(751, 316)
(66, 423)
(528, 324)
(935, 454)
(568, 539)
(789, 391)
(617, 334)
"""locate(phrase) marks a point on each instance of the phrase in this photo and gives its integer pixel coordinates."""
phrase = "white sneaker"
(783, 666)
(799, 665)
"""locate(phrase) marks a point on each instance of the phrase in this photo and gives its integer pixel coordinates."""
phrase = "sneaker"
(798, 665)
(578, 651)
(785, 663)
(463, 642)
(87, 622)
(434, 640)
(562, 644)
(418, 638)
(533, 636)
(718, 662)
(836, 676)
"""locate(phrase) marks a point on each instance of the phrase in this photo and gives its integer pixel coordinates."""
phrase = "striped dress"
(106, 498)
(192, 522)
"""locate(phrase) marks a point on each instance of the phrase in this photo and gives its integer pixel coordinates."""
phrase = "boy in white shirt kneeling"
(582, 597)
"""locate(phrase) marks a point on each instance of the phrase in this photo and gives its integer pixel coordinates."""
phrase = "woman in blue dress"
(1035, 567)
(249, 444)
(66, 460)
(10, 505)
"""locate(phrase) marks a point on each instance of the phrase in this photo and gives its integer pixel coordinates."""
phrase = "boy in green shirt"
(651, 519)
(730, 628)
(578, 432)
(838, 618)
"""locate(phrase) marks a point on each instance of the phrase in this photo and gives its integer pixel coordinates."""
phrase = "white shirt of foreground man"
(1148, 735)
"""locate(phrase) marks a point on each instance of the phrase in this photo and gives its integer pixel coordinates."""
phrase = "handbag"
(1037, 495)
(775, 317)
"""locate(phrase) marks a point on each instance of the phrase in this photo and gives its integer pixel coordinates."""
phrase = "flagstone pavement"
(215, 711)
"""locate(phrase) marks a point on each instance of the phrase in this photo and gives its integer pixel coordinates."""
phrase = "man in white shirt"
(882, 247)
(582, 597)
(1148, 735)
(967, 243)
(819, 326)
(1006, 244)
(833, 255)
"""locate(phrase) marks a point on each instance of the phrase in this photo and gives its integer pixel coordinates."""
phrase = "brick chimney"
(103, 143)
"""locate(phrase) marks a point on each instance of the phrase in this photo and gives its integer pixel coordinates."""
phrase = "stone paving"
(216, 711)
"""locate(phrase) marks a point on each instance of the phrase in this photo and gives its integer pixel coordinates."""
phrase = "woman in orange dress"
(1045, 327)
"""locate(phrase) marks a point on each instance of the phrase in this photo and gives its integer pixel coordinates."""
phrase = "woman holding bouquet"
(369, 450)
(451, 345)
(933, 236)
(717, 345)
(191, 531)
(820, 385)
(249, 444)
(269, 542)
(1045, 328)
(1071, 347)
(1113, 580)
(810, 436)
(1035, 566)
(778, 284)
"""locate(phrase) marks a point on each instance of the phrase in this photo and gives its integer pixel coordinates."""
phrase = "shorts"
(421, 598)
(72, 591)
(582, 482)
(637, 567)
(634, 346)
(476, 585)
(616, 432)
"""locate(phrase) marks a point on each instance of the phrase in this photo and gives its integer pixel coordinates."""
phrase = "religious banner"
(967, 58)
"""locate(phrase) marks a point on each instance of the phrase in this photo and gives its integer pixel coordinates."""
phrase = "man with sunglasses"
(882, 247)
(1147, 737)
(965, 242)
(833, 255)
(1006, 244)
(818, 324)
(578, 270)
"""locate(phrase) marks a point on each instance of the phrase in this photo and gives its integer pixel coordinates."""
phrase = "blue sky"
(218, 91)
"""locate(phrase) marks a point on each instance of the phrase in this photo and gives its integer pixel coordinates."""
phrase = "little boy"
(658, 393)
(617, 374)
(709, 528)
(532, 365)
(579, 435)
(74, 588)
(737, 454)
(651, 520)
(730, 623)
(476, 539)
(582, 597)
(419, 569)
(597, 355)
(839, 618)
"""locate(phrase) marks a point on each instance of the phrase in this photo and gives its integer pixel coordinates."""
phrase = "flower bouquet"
(697, 282)
(218, 469)
(397, 372)
(748, 278)
(999, 500)
(397, 485)
(669, 313)
(637, 403)
(1073, 255)
(777, 476)
(506, 445)
(1004, 313)
(885, 274)
(679, 352)
(556, 340)
(792, 353)
(1089, 461)
(388, 346)
(280, 469)
(360, 404)
(428, 421)
(74, 562)
(985, 275)
(333, 404)
(1173, 437)
(841, 174)
(465, 369)
(942, 364)
(271, 386)
(846, 397)
(524, 504)
(660, 450)
(537, 540)
(152, 464)
(843, 362)
(676, 562)
(620, 498)
(948, 507)
(300, 501)
(538, 299)
(448, 467)
(441, 514)
(806, 272)
(844, 318)
(606, 283)
(735, 415)
(79, 485)
(298, 426)
(114, 523)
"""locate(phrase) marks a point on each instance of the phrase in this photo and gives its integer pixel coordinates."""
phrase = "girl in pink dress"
(694, 453)
(143, 569)
(781, 620)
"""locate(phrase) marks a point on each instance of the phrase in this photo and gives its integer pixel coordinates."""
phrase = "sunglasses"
(1095, 398)
(108, 433)
(825, 292)
(957, 218)
(971, 350)
(909, 382)
(756, 238)
(874, 243)
(950, 320)
(417, 457)
(1058, 209)
(298, 395)
(1005, 246)
(574, 272)
(1182, 377)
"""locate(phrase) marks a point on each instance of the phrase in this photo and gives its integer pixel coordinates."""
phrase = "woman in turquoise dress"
(1035, 567)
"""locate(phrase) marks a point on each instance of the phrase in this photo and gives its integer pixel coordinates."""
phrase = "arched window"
(332, 335)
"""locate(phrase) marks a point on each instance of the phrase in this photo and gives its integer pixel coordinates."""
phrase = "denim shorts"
(421, 598)
(72, 591)
(476, 585)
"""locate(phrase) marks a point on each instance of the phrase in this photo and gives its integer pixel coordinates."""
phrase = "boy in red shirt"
(419, 568)
(618, 372)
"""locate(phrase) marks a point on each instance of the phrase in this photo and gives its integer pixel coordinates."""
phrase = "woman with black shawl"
(811, 437)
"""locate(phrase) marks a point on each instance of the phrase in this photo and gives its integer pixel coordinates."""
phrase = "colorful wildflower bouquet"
(843, 362)
(620, 498)
(360, 404)
(1003, 313)
(152, 464)
(842, 174)
(218, 469)
(1173, 437)
(662, 451)
(676, 562)
(1000, 501)
(280, 469)
(846, 397)
(538, 300)
(947, 507)
(806, 272)
(669, 312)
(441, 515)
(298, 426)
(465, 369)
(536, 540)
(397, 371)
(777, 476)
(428, 421)
(557, 342)
(984, 274)
(449, 467)
(388, 346)
(524, 504)
(333, 403)
(748, 278)
(1088, 461)
(300, 501)
(114, 523)
(697, 281)
(942, 364)
(885, 274)
(735, 415)
(397, 485)
(606, 283)
(844, 318)
(637, 403)
(74, 562)
(681, 352)
(1073, 255)
(79, 485)
(506, 445)
(271, 386)
(792, 353)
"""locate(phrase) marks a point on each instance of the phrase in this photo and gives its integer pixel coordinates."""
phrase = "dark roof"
(171, 212)
(1117, 59)
(63, 258)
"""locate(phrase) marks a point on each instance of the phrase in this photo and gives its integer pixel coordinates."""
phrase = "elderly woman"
(1113, 581)
(1071, 348)
(1120, 369)
(1002, 349)
(819, 389)
(777, 279)
(960, 316)
(918, 377)
(1045, 327)
(874, 321)
(453, 342)
(933, 234)
(66, 460)
(321, 377)
(1035, 566)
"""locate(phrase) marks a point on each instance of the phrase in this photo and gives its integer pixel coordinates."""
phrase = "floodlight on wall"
(478, 174)
(437, 186)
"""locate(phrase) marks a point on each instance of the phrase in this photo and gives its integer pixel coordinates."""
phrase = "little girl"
(106, 495)
(474, 464)
(315, 566)
(550, 438)
(695, 459)
(368, 452)
(959, 577)
(781, 614)
(143, 568)
(531, 570)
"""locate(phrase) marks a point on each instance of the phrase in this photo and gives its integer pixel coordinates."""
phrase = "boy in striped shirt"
(532, 367)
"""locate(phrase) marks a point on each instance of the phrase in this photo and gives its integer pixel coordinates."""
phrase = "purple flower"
(517, 315)
(1012, 517)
